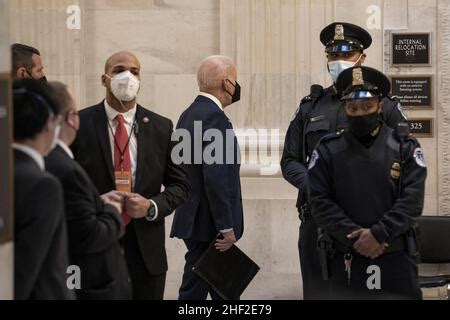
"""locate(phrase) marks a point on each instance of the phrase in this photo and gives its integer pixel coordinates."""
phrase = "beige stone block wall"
(5, 62)
(6, 249)
(418, 17)
(169, 38)
(6, 271)
(277, 49)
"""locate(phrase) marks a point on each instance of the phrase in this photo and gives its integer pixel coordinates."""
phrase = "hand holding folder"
(225, 241)
(228, 273)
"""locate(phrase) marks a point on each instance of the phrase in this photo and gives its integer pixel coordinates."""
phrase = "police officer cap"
(362, 83)
(344, 37)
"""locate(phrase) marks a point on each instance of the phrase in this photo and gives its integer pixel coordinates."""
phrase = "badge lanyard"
(122, 152)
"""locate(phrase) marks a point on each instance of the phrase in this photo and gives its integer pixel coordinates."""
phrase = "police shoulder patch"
(398, 105)
(313, 159)
(419, 157)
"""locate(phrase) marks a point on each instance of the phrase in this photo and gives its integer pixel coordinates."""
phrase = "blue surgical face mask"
(335, 68)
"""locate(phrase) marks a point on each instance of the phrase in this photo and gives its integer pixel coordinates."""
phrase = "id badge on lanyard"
(123, 181)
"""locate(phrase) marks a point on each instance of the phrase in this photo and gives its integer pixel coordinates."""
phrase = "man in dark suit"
(40, 241)
(94, 223)
(125, 147)
(215, 205)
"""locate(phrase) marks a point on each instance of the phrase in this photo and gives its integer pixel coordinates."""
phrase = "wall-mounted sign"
(414, 91)
(422, 127)
(6, 203)
(410, 49)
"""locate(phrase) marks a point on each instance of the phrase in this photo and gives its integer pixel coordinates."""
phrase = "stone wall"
(276, 46)
(6, 248)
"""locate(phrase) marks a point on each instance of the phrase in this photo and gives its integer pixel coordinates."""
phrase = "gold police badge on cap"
(358, 79)
(339, 32)
(395, 170)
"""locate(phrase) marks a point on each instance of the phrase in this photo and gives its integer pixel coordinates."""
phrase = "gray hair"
(62, 96)
(212, 71)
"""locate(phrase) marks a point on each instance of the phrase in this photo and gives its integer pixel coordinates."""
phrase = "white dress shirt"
(213, 98)
(66, 148)
(34, 154)
(129, 118)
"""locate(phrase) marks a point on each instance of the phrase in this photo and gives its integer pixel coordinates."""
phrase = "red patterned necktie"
(122, 160)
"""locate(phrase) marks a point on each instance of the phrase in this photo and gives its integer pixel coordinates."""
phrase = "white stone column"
(6, 248)
(278, 53)
(443, 104)
(443, 112)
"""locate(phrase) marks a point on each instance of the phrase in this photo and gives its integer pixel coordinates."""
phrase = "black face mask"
(237, 92)
(43, 79)
(363, 126)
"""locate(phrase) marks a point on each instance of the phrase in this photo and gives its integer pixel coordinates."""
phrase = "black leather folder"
(228, 273)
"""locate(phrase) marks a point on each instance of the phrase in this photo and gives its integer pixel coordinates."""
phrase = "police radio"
(403, 129)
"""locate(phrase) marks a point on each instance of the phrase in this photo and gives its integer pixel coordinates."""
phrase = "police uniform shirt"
(351, 186)
(312, 121)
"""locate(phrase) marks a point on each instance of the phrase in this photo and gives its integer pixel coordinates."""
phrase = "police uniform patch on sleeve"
(313, 159)
(419, 157)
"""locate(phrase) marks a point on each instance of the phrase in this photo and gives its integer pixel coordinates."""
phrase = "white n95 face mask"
(125, 86)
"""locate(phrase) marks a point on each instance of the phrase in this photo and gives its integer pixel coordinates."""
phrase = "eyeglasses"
(363, 107)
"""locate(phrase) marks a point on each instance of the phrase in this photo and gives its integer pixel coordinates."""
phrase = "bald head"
(124, 60)
(118, 63)
(213, 71)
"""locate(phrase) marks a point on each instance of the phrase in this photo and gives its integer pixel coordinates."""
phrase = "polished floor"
(265, 286)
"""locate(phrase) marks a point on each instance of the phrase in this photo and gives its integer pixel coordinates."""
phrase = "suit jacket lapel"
(101, 124)
(144, 134)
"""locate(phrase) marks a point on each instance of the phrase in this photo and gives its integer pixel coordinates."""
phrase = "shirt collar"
(32, 153)
(112, 113)
(66, 148)
(213, 98)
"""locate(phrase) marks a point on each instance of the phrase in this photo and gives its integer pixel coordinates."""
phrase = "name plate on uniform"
(422, 127)
(410, 49)
(414, 91)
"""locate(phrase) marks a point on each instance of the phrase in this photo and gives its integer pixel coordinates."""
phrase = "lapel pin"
(146, 120)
